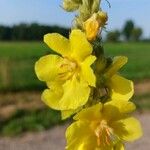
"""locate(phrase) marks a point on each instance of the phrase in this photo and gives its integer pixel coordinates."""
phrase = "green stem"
(99, 68)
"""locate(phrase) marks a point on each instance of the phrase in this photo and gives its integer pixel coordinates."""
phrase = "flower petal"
(80, 46)
(47, 67)
(57, 43)
(118, 62)
(90, 113)
(123, 106)
(51, 97)
(121, 88)
(76, 94)
(119, 146)
(71, 95)
(80, 137)
(87, 71)
(128, 129)
(117, 109)
(67, 113)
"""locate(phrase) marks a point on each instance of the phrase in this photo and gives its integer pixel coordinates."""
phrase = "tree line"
(129, 32)
(29, 32)
(34, 32)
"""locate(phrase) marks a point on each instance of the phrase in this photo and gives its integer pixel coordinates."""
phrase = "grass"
(23, 120)
(22, 50)
(139, 58)
(17, 62)
(142, 101)
(17, 65)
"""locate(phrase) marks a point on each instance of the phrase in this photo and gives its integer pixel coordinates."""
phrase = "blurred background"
(22, 26)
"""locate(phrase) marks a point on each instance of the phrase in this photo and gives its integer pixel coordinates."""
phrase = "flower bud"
(77, 1)
(93, 24)
(71, 5)
(95, 6)
(91, 27)
(102, 17)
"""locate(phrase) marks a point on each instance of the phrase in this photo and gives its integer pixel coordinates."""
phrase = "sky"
(50, 12)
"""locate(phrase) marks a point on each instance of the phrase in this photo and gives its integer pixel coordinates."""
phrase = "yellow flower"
(120, 87)
(103, 127)
(93, 24)
(68, 76)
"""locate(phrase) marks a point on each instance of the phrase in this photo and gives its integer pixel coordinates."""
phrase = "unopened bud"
(77, 1)
(70, 5)
(95, 6)
(102, 17)
(93, 25)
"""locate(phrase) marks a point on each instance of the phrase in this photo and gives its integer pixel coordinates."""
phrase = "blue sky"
(49, 12)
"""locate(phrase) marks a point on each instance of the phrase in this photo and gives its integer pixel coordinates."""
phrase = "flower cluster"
(83, 82)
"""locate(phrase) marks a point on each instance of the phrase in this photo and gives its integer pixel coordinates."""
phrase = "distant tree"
(127, 29)
(136, 34)
(5, 33)
(35, 31)
(20, 32)
(63, 31)
(113, 36)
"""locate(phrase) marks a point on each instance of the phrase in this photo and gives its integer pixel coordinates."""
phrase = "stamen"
(67, 69)
(104, 134)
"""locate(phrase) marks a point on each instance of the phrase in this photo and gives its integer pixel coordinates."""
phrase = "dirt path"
(142, 87)
(54, 139)
(11, 101)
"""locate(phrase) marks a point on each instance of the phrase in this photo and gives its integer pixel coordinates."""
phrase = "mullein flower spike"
(82, 81)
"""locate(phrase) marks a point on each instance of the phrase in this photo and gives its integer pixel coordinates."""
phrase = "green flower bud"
(77, 1)
(95, 6)
(101, 64)
(70, 5)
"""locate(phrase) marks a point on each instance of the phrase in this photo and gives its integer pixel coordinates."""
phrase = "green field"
(17, 62)
(138, 66)
(17, 73)
(17, 65)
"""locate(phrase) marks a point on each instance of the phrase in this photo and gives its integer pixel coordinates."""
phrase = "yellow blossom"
(120, 87)
(93, 24)
(68, 76)
(103, 127)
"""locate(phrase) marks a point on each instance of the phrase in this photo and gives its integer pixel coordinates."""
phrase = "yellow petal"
(90, 113)
(119, 146)
(80, 137)
(51, 97)
(118, 62)
(121, 88)
(47, 67)
(123, 106)
(70, 95)
(58, 43)
(76, 94)
(67, 113)
(80, 47)
(87, 71)
(128, 129)
(55, 83)
(117, 109)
